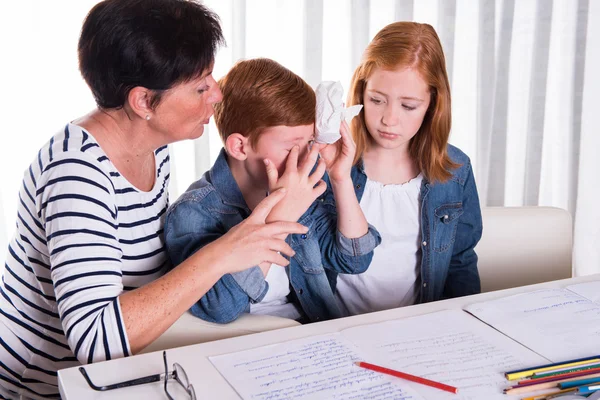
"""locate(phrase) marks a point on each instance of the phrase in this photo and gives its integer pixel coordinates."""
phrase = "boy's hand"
(299, 184)
(339, 156)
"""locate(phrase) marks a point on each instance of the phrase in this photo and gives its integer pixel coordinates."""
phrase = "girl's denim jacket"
(214, 204)
(451, 226)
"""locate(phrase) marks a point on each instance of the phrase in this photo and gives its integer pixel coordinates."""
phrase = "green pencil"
(565, 371)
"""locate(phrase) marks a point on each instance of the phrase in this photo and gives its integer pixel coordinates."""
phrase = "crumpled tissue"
(331, 111)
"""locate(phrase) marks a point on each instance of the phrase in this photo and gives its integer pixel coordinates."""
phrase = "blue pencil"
(588, 389)
(580, 382)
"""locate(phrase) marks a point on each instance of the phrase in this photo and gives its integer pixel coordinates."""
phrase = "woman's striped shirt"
(84, 234)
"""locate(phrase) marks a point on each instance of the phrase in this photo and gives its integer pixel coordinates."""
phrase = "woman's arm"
(76, 206)
(189, 227)
(150, 310)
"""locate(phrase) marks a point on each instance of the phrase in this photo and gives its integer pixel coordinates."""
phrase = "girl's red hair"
(410, 45)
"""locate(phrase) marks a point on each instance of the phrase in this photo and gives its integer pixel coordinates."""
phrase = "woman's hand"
(339, 156)
(253, 241)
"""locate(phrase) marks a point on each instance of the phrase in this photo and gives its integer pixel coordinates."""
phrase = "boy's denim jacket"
(451, 226)
(214, 204)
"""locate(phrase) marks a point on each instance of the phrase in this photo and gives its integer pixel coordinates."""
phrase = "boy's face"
(275, 143)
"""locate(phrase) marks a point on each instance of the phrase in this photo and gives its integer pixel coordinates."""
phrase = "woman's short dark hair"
(155, 44)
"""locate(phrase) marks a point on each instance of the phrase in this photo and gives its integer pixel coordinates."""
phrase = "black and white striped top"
(84, 234)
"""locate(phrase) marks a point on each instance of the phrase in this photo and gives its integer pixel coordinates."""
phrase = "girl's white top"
(391, 280)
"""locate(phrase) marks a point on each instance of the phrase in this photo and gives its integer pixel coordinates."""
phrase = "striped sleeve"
(77, 207)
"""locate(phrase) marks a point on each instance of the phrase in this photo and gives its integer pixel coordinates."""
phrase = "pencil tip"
(357, 363)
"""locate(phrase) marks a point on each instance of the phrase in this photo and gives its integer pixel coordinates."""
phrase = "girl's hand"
(255, 242)
(339, 156)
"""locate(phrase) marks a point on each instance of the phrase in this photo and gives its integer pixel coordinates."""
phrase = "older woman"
(85, 278)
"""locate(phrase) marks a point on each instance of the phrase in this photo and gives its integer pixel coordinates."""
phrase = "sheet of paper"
(589, 290)
(318, 367)
(556, 323)
(450, 347)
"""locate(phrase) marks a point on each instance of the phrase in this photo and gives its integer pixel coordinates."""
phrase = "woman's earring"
(147, 117)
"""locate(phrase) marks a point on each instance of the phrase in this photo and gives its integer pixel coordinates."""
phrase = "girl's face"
(395, 104)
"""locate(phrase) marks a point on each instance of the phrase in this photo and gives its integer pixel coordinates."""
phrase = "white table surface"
(207, 381)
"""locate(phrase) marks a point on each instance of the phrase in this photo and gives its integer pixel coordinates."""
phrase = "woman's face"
(395, 104)
(186, 108)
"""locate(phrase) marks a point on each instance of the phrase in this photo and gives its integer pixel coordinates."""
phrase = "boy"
(266, 121)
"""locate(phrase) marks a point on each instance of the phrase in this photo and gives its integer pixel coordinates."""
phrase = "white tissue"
(331, 111)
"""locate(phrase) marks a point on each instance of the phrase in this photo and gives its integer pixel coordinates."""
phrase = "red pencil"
(408, 377)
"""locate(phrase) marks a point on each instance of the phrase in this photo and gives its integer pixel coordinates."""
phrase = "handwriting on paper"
(450, 347)
(314, 368)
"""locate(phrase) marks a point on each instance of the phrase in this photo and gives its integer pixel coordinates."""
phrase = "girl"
(414, 187)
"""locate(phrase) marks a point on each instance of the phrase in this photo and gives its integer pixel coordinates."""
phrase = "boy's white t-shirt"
(275, 301)
(392, 278)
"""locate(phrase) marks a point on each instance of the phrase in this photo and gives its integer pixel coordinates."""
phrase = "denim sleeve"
(339, 253)
(358, 246)
(463, 276)
(188, 228)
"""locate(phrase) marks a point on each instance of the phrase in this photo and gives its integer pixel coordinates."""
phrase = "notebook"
(449, 346)
(470, 350)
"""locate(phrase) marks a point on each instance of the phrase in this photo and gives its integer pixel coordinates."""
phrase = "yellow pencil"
(511, 376)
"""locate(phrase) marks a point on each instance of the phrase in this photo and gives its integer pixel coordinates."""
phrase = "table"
(207, 381)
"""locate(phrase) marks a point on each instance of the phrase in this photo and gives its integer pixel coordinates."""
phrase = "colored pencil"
(408, 377)
(588, 389)
(565, 370)
(580, 382)
(540, 386)
(549, 395)
(523, 373)
(558, 377)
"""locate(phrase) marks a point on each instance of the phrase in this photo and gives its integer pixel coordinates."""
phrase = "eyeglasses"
(178, 374)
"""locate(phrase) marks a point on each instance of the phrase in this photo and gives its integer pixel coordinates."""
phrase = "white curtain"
(523, 76)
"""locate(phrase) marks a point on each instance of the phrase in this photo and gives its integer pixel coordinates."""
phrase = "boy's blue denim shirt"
(451, 226)
(214, 204)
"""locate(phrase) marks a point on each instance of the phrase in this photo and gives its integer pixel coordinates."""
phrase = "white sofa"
(524, 245)
(519, 246)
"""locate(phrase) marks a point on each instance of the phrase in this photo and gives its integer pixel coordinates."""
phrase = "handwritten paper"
(589, 290)
(556, 323)
(320, 367)
(450, 347)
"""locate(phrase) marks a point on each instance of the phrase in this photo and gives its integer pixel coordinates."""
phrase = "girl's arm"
(463, 276)
(345, 238)
(351, 221)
